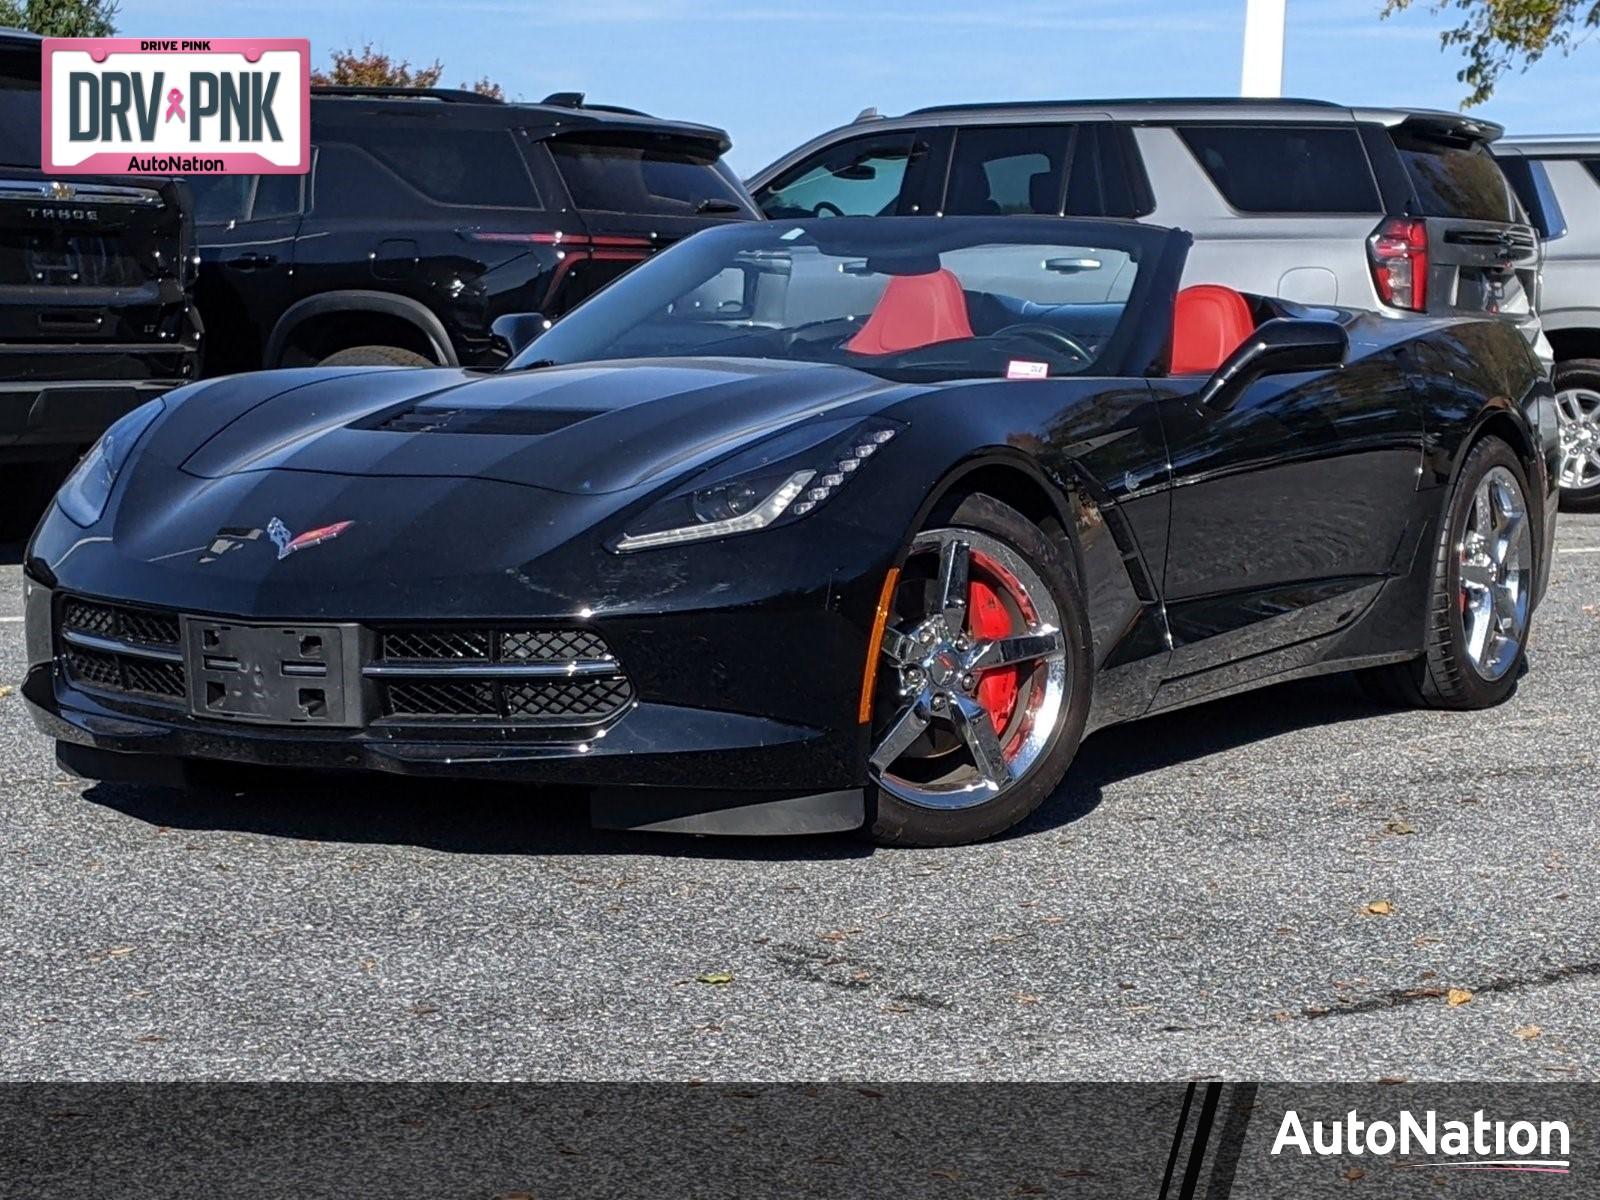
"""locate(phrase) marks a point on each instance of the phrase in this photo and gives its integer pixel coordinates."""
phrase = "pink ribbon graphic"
(175, 106)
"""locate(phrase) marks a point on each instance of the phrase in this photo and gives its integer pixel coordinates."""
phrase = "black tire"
(1444, 676)
(1578, 373)
(893, 821)
(376, 356)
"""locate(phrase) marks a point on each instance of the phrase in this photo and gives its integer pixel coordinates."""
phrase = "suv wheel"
(376, 356)
(1577, 385)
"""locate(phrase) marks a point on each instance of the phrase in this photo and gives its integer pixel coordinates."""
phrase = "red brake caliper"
(997, 688)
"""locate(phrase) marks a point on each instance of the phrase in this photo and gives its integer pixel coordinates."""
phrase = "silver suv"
(1395, 210)
(1558, 180)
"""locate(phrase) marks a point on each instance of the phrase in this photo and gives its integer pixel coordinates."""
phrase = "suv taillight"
(1399, 251)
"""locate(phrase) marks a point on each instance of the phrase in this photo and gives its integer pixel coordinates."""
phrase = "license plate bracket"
(278, 674)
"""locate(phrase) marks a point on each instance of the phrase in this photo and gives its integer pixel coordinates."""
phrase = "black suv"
(95, 315)
(429, 212)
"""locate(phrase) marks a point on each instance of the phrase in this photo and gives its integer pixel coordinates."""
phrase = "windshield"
(908, 298)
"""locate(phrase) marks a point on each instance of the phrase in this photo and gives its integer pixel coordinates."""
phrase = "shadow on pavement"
(477, 818)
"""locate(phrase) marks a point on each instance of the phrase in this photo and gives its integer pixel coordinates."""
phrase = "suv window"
(383, 169)
(862, 177)
(1531, 183)
(1286, 169)
(643, 174)
(19, 107)
(1005, 169)
(219, 199)
(1100, 185)
(1453, 180)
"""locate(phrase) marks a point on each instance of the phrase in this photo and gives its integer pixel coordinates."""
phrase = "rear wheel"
(376, 356)
(1577, 385)
(1482, 595)
(985, 681)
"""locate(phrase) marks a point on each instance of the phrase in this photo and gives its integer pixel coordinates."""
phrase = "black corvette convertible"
(802, 526)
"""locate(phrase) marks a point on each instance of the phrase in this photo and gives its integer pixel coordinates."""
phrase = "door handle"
(252, 262)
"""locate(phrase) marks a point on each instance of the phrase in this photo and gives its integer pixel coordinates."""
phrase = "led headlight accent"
(759, 517)
(756, 500)
(83, 496)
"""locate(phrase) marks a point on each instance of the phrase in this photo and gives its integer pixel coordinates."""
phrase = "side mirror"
(512, 332)
(1281, 346)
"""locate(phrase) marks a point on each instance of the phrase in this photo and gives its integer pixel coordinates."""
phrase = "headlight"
(742, 501)
(83, 496)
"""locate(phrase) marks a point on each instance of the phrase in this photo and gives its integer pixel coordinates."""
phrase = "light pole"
(1263, 48)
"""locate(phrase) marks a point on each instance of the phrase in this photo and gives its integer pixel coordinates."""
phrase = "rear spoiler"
(702, 138)
(1444, 126)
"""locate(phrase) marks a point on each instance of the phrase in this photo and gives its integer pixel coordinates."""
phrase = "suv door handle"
(252, 262)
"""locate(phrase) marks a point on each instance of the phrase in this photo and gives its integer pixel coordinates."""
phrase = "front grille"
(424, 645)
(511, 676)
(127, 673)
(428, 698)
(116, 621)
(519, 676)
(134, 649)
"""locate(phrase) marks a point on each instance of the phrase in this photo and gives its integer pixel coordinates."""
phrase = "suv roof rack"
(446, 95)
(1125, 101)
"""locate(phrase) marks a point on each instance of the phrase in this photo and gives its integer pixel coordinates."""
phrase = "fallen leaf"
(1355, 1173)
(1526, 1032)
(832, 1160)
(870, 1093)
(1393, 1079)
(513, 1196)
(424, 1009)
(1027, 998)
(5, 690)
(119, 951)
(1377, 908)
(716, 978)
(1456, 997)
(1399, 827)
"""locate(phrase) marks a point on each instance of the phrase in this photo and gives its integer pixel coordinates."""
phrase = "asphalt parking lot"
(1292, 885)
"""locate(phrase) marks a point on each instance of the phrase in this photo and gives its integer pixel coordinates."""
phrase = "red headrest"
(1208, 324)
(914, 310)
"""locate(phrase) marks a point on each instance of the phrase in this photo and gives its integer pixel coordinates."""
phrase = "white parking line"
(1578, 550)
(10, 620)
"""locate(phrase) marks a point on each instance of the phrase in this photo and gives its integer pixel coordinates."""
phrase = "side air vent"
(516, 422)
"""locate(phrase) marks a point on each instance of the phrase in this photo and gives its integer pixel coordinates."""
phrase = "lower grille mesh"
(124, 673)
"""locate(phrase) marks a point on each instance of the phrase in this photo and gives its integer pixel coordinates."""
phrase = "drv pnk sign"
(169, 106)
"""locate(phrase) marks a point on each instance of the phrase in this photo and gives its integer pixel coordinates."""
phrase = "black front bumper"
(55, 399)
(655, 762)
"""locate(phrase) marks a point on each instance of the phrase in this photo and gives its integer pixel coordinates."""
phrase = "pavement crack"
(1505, 984)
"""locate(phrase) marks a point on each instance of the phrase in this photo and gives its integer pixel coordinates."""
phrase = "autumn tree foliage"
(370, 67)
(1499, 35)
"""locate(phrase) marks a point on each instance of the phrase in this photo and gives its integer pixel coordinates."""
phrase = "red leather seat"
(1208, 323)
(914, 310)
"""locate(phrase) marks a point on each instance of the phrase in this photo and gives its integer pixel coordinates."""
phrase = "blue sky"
(774, 73)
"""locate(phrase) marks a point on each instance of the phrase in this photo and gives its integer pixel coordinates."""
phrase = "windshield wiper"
(717, 206)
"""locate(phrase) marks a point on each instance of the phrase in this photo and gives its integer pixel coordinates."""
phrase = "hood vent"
(516, 422)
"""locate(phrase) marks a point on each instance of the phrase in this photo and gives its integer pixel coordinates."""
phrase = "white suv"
(1394, 210)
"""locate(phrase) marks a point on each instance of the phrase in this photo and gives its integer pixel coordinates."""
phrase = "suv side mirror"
(512, 332)
(1281, 346)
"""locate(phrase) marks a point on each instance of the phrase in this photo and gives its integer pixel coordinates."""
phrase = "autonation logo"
(1480, 1144)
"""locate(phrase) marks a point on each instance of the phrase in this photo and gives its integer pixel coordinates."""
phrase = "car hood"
(582, 429)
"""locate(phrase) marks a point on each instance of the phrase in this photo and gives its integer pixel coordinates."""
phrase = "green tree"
(1498, 35)
(370, 67)
(61, 18)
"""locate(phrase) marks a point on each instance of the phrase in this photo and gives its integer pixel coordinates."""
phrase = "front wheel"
(984, 684)
(1577, 385)
(1481, 598)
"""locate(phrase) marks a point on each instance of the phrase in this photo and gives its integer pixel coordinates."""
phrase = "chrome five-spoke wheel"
(1578, 415)
(975, 675)
(1496, 574)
